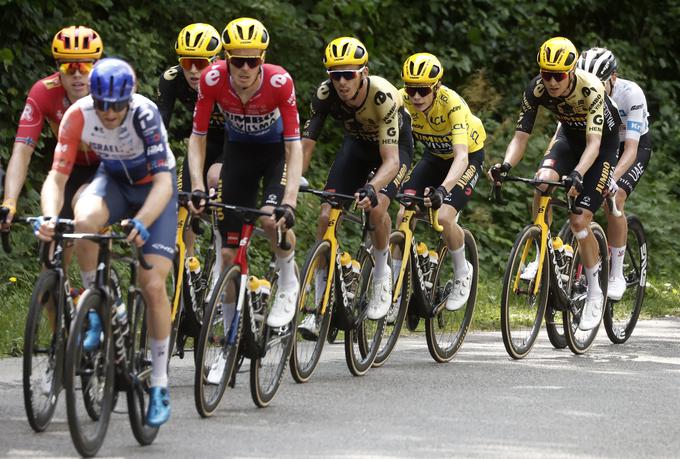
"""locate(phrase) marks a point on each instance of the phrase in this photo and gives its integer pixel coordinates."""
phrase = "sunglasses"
(70, 68)
(557, 76)
(240, 61)
(346, 74)
(199, 62)
(104, 106)
(422, 91)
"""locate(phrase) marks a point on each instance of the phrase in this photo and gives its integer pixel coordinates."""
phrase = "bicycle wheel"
(362, 340)
(139, 366)
(307, 346)
(523, 300)
(395, 315)
(621, 316)
(580, 341)
(446, 331)
(267, 370)
(88, 378)
(43, 352)
(218, 342)
(553, 316)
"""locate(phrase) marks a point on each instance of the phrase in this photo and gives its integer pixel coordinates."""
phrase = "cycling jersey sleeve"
(318, 111)
(387, 108)
(149, 126)
(165, 95)
(636, 119)
(32, 117)
(287, 106)
(210, 78)
(530, 103)
(458, 118)
(70, 135)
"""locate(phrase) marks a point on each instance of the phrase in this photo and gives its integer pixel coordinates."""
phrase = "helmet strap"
(361, 84)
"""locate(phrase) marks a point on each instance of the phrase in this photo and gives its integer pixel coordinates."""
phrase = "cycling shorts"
(357, 159)
(214, 153)
(80, 175)
(632, 176)
(432, 170)
(244, 166)
(564, 154)
(124, 201)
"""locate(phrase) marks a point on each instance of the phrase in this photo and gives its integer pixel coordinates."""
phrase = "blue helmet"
(112, 80)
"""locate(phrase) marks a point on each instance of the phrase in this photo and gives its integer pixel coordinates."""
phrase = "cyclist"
(197, 46)
(135, 180)
(452, 161)
(75, 49)
(263, 143)
(635, 151)
(584, 148)
(377, 137)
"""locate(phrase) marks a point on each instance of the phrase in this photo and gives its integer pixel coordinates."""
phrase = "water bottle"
(350, 272)
(121, 317)
(563, 255)
(423, 258)
(195, 270)
(259, 290)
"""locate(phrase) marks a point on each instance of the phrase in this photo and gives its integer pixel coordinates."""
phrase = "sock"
(88, 278)
(286, 271)
(460, 266)
(320, 279)
(593, 285)
(380, 256)
(159, 362)
(617, 255)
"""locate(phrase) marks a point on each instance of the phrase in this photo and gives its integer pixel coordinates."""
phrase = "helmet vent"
(434, 71)
(198, 39)
(214, 44)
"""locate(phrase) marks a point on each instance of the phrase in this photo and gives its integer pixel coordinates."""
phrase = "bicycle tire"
(553, 317)
(100, 366)
(139, 366)
(212, 345)
(40, 413)
(267, 370)
(451, 324)
(306, 351)
(580, 341)
(362, 340)
(519, 342)
(635, 266)
(392, 330)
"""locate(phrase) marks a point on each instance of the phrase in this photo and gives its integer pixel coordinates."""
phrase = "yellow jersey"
(448, 121)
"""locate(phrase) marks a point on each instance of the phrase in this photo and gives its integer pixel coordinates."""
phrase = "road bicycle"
(525, 293)
(190, 292)
(334, 293)
(621, 316)
(120, 363)
(422, 286)
(235, 326)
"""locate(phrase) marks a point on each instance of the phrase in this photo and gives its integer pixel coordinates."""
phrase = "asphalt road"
(617, 401)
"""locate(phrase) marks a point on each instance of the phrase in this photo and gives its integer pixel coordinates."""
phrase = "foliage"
(487, 47)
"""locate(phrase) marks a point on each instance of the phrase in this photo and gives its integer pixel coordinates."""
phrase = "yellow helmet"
(198, 40)
(557, 55)
(345, 51)
(245, 33)
(422, 69)
(77, 42)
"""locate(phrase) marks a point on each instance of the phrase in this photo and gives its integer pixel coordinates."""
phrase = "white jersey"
(632, 106)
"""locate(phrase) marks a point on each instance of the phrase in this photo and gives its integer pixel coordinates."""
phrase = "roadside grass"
(662, 299)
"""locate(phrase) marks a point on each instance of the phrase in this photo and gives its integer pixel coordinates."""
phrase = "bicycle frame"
(241, 260)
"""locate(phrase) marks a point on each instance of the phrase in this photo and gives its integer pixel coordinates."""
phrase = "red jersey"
(47, 100)
(269, 116)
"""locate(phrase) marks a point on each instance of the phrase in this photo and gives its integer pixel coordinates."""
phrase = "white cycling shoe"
(592, 313)
(616, 288)
(380, 298)
(461, 290)
(283, 310)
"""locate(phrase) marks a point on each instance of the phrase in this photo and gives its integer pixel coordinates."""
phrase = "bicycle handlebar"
(432, 214)
(498, 198)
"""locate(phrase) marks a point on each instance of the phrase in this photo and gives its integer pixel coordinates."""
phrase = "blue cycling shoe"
(159, 406)
(93, 333)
